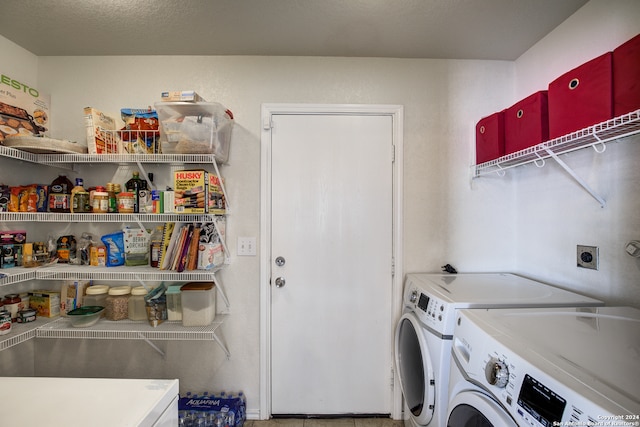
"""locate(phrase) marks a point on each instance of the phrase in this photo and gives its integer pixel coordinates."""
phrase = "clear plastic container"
(96, 295)
(117, 306)
(174, 304)
(137, 304)
(195, 128)
(198, 303)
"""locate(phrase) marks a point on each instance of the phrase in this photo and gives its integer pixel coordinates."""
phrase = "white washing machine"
(546, 367)
(424, 332)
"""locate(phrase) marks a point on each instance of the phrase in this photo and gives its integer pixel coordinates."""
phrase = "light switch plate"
(246, 246)
(587, 257)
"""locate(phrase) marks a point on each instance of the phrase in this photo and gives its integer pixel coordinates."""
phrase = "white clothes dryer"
(545, 367)
(425, 330)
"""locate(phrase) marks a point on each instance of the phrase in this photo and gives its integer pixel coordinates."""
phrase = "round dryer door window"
(415, 371)
(473, 408)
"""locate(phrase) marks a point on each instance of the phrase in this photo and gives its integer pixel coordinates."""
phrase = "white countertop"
(96, 402)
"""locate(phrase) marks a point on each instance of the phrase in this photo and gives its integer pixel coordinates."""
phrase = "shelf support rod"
(580, 181)
(155, 347)
(220, 289)
(222, 346)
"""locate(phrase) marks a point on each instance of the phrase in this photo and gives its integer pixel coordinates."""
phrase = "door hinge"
(393, 267)
(267, 123)
(393, 153)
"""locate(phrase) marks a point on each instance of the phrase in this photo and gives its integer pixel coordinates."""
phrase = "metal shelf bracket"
(575, 176)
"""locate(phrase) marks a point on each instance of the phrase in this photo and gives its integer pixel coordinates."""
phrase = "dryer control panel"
(431, 311)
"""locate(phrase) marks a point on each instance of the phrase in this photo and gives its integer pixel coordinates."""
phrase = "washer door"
(472, 408)
(415, 372)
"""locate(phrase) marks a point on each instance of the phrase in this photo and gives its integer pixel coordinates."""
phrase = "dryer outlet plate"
(587, 257)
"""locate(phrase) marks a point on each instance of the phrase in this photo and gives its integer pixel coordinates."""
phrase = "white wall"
(442, 100)
(488, 224)
(554, 213)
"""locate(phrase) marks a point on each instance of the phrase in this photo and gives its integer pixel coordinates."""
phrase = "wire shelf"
(593, 136)
(122, 273)
(131, 330)
(16, 275)
(106, 217)
(22, 332)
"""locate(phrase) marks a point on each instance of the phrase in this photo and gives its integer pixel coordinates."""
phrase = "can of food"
(26, 316)
(5, 322)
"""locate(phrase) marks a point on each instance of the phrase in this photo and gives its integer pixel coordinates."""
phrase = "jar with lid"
(100, 201)
(126, 202)
(117, 304)
(12, 305)
(137, 304)
(96, 295)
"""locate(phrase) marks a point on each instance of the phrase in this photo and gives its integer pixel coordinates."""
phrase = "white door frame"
(397, 114)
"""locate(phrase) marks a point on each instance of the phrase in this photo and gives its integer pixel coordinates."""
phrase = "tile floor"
(316, 422)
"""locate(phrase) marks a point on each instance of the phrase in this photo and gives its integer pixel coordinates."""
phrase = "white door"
(332, 226)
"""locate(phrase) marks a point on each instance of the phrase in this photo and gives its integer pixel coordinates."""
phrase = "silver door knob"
(280, 282)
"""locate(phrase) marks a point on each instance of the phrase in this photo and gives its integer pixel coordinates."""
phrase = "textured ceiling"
(458, 29)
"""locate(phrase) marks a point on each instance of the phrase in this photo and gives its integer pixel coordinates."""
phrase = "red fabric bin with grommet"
(626, 77)
(490, 137)
(526, 123)
(581, 97)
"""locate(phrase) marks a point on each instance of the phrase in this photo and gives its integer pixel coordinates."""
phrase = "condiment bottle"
(113, 202)
(78, 204)
(60, 195)
(137, 304)
(155, 246)
(126, 202)
(100, 201)
(138, 187)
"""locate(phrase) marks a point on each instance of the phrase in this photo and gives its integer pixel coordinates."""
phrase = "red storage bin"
(490, 137)
(582, 97)
(626, 77)
(526, 123)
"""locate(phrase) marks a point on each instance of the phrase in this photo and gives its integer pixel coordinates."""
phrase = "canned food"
(26, 316)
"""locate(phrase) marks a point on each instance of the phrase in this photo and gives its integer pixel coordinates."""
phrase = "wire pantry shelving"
(60, 327)
(595, 136)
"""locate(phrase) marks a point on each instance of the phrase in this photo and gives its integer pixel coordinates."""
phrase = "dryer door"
(415, 371)
(472, 408)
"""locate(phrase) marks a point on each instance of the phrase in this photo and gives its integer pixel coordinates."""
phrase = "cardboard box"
(23, 109)
(217, 204)
(581, 97)
(45, 303)
(101, 132)
(490, 137)
(72, 295)
(526, 123)
(7, 256)
(181, 96)
(191, 188)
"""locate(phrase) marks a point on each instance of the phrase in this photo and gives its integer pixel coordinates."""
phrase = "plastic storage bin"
(198, 303)
(195, 128)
